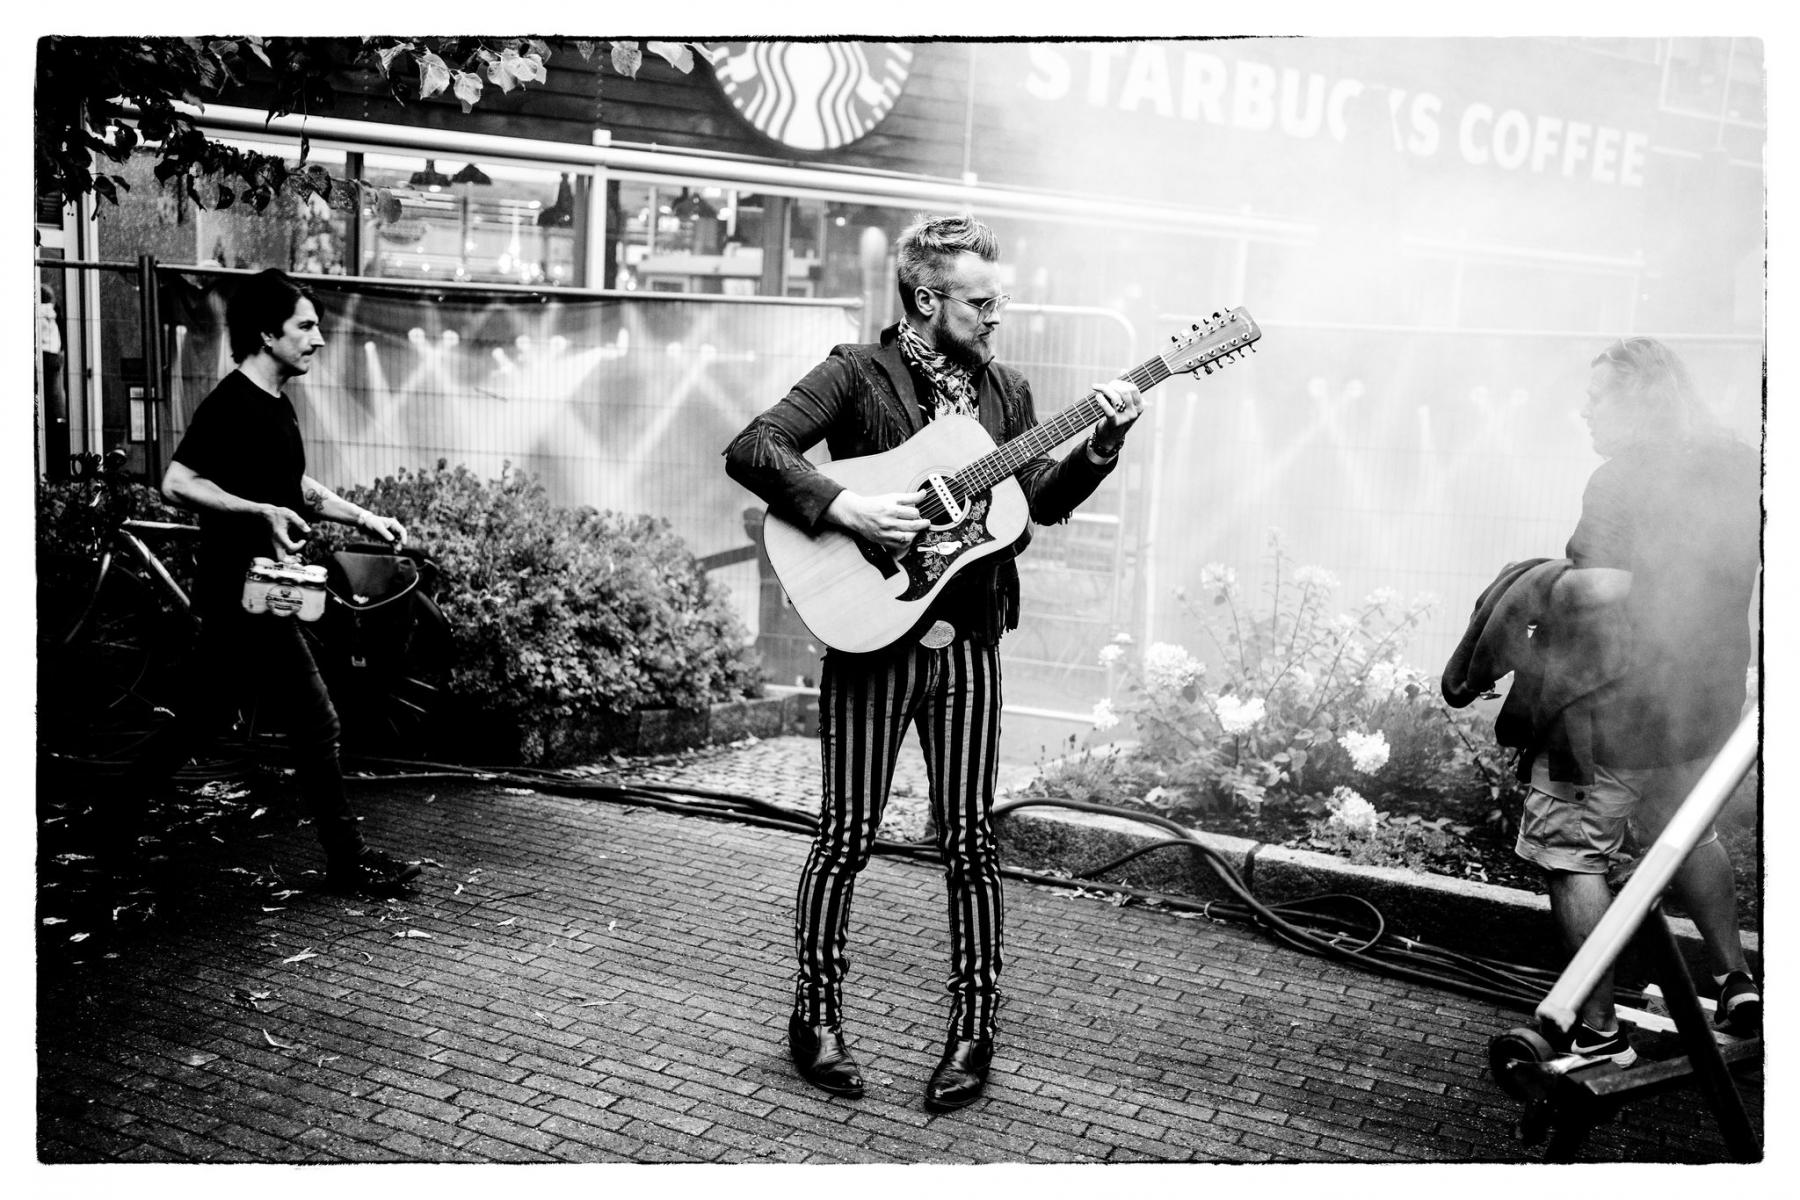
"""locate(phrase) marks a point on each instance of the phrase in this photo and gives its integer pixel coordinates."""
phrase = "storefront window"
(674, 238)
(1715, 77)
(295, 233)
(430, 219)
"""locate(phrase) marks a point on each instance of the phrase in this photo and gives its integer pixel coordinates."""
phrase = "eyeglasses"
(987, 309)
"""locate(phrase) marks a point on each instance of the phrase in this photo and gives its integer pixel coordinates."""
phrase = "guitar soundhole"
(944, 505)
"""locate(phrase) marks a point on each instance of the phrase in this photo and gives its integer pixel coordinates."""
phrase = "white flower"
(1276, 539)
(1237, 716)
(1350, 813)
(1368, 751)
(1104, 717)
(1316, 579)
(1304, 682)
(1384, 679)
(1121, 638)
(1218, 579)
(1169, 668)
(1111, 653)
(1381, 598)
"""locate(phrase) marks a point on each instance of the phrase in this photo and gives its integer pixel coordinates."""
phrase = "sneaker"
(1740, 1005)
(1591, 1043)
(371, 873)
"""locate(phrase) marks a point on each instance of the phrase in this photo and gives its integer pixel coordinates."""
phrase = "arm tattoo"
(314, 497)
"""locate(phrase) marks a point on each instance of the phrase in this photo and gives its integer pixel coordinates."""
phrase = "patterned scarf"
(952, 386)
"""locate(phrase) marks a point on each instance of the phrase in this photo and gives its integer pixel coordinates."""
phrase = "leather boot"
(961, 1074)
(820, 1057)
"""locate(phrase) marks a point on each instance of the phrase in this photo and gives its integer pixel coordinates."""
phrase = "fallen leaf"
(78, 937)
(277, 908)
(259, 812)
(508, 921)
(593, 1003)
(413, 933)
(278, 1043)
(458, 891)
(300, 957)
(611, 925)
(200, 1060)
(512, 791)
(56, 920)
(284, 893)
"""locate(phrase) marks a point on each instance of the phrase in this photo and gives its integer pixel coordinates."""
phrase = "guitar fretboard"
(1005, 461)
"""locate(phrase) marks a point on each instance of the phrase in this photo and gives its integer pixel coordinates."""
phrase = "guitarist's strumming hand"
(891, 519)
(1124, 404)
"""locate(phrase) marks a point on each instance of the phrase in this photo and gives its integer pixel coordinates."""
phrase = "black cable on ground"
(1294, 923)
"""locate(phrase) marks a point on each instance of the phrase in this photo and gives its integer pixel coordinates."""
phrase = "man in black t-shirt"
(241, 466)
(1667, 552)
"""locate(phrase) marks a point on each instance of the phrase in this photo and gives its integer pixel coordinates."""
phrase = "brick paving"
(582, 981)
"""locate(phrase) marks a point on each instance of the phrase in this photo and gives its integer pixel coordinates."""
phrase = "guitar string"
(1002, 462)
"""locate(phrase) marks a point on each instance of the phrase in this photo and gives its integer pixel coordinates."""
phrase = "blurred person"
(50, 361)
(241, 466)
(1664, 561)
(865, 399)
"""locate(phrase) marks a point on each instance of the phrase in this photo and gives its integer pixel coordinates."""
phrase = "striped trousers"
(866, 703)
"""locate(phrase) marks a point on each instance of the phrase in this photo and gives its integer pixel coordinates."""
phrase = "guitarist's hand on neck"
(891, 520)
(1124, 404)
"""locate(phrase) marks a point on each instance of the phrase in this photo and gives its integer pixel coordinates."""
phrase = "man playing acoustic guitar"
(944, 676)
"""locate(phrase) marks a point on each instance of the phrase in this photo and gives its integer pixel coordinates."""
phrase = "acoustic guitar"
(857, 596)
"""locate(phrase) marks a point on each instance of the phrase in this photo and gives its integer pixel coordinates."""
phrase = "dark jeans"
(262, 659)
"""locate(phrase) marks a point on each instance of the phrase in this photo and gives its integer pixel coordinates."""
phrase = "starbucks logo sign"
(812, 95)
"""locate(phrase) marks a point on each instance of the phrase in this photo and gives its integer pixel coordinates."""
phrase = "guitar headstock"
(1217, 340)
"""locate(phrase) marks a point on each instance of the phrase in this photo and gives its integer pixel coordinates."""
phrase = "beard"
(969, 353)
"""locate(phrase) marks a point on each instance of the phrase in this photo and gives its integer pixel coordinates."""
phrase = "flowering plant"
(1299, 705)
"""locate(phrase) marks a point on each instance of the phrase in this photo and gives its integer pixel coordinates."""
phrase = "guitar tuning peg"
(1196, 327)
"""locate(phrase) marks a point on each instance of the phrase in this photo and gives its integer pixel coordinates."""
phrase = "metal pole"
(1702, 1049)
(151, 344)
(1622, 919)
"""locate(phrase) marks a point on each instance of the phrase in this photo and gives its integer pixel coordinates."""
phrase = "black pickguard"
(937, 550)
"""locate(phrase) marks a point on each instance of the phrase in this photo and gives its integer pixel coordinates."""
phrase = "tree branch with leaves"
(99, 99)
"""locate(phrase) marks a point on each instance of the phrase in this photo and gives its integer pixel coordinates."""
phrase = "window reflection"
(469, 222)
(303, 234)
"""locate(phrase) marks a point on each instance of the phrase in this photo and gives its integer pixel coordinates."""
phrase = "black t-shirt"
(248, 443)
(1685, 519)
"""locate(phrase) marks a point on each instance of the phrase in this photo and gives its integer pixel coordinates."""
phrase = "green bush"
(561, 612)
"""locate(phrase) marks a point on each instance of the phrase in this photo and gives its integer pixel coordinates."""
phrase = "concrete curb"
(1463, 916)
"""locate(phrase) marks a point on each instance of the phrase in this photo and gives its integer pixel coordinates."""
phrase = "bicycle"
(106, 673)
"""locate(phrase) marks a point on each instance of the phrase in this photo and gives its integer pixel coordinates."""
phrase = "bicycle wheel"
(108, 661)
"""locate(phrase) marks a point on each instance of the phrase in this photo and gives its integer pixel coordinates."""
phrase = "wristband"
(1100, 455)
